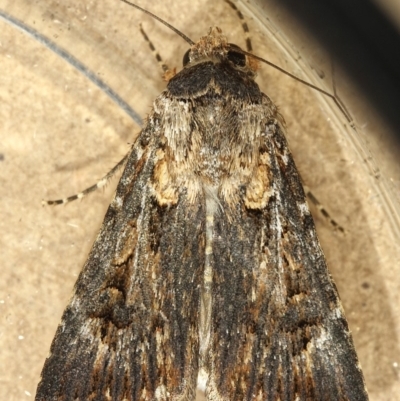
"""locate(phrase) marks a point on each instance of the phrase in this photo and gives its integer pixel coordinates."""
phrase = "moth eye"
(186, 58)
(237, 58)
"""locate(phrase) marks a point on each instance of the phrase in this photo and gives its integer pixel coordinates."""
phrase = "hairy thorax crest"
(213, 117)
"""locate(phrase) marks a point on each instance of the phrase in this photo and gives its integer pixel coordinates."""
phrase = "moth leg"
(100, 184)
(311, 197)
(245, 27)
(167, 73)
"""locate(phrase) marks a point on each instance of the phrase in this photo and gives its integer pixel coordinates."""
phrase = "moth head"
(215, 47)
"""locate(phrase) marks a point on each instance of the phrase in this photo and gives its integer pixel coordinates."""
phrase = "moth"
(207, 266)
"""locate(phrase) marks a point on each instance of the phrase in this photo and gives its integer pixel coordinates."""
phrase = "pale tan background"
(59, 134)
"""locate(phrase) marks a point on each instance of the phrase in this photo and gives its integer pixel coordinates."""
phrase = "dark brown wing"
(278, 329)
(130, 331)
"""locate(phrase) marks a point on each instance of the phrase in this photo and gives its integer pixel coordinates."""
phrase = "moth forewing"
(187, 24)
(207, 260)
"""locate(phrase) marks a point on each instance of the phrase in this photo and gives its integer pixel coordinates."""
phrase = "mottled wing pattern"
(207, 261)
(118, 336)
(278, 330)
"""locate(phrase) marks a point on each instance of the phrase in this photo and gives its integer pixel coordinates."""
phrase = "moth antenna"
(182, 35)
(245, 27)
(334, 97)
(249, 51)
(343, 107)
